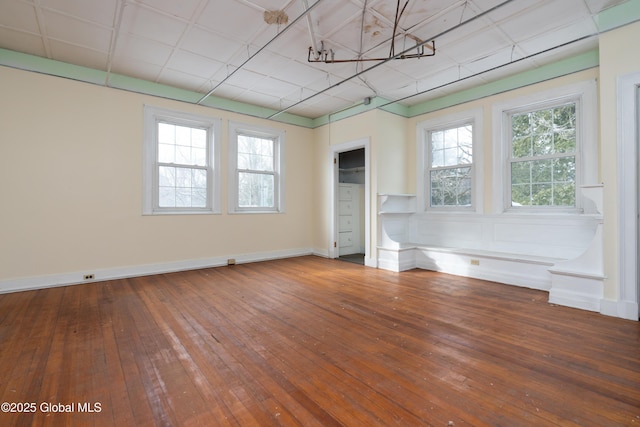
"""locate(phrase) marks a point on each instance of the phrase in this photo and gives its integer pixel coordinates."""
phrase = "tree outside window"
(450, 171)
(543, 157)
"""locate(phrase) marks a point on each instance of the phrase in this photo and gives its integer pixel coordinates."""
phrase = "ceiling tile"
(298, 73)
(559, 36)
(535, 22)
(476, 46)
(135, 48)
(21, 42)
(210, 45)
(73, 31)
(79, 55)
(133, 67)
(182, 79)
(275, 87)
(100, 12)
(236, 20)
(18, 15)
(152, 25)
(194, 65)
(184, 9)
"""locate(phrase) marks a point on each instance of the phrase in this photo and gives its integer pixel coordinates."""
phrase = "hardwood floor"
(312, 342)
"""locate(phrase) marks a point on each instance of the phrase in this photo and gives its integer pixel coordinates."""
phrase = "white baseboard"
(508, 273)
(623, 309)
(75, 278)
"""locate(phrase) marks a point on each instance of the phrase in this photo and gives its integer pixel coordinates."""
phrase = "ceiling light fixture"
(328, 56)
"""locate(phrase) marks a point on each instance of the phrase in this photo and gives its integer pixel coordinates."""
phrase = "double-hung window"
(543, 154)
(450, 161)
(447, 159)
(547, 143)
(180, 170)
(256, 158)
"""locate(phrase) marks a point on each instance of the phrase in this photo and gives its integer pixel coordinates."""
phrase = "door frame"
(628, 128)
(333, 228)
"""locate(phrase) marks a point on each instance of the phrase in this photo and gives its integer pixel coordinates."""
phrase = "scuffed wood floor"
(312, 342)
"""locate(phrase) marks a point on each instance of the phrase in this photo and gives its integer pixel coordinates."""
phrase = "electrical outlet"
(89, 276)
(475, 262)
(231, 261)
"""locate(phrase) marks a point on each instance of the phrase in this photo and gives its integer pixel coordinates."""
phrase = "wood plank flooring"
(312, 342)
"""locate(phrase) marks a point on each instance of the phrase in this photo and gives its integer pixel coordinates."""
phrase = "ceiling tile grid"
(256, 51)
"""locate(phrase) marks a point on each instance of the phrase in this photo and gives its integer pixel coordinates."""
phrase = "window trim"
(278, 136)
(584, 94)
(474, 117)
(150, 165)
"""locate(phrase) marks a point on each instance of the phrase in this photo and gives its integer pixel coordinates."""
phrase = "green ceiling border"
(608, 19)
(619, 15)
(546, 72)
(52, 67)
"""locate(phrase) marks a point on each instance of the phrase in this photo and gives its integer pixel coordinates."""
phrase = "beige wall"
(615, 60)
(71, 185)
(387, 169)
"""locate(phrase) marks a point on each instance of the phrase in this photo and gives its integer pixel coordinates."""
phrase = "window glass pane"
(182, 187)
(437, 140)
(166, 133)
(521, 146)
(199, 197)
(199, 156)
(255, 153)
(255, 190)
(199, 179)
(451, 187)
(167, 197)
(166, 153)
(182, 145)
(452, 146)
(520, 125)
(183, 197)
(183, 155)
(542, 144)
(565, 141)
(543, 182)
(541, 121)
(198, 138)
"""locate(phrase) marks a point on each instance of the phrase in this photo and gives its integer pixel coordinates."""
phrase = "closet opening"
(351, 206)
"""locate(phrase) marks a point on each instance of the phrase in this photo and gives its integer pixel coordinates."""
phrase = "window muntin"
(450, 159)
(182, 166)
(543, 149)
(180, 163)
(256, 172)
(256, 157)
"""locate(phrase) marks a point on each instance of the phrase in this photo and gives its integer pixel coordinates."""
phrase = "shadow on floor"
(353, 258)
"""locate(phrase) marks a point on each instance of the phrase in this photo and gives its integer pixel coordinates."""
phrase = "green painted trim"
(560, 68)
(131, 84)
(619, 15)
(377, 102)
(37, 64)
(26, 62)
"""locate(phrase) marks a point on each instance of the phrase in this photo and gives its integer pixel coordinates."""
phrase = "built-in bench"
(561, 254)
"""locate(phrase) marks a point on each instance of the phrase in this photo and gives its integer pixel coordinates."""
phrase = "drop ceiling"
(256, 52)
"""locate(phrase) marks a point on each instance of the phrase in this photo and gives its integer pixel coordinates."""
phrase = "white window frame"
(278, 136)
(584, 94)
(150, 167)
(474, 117)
